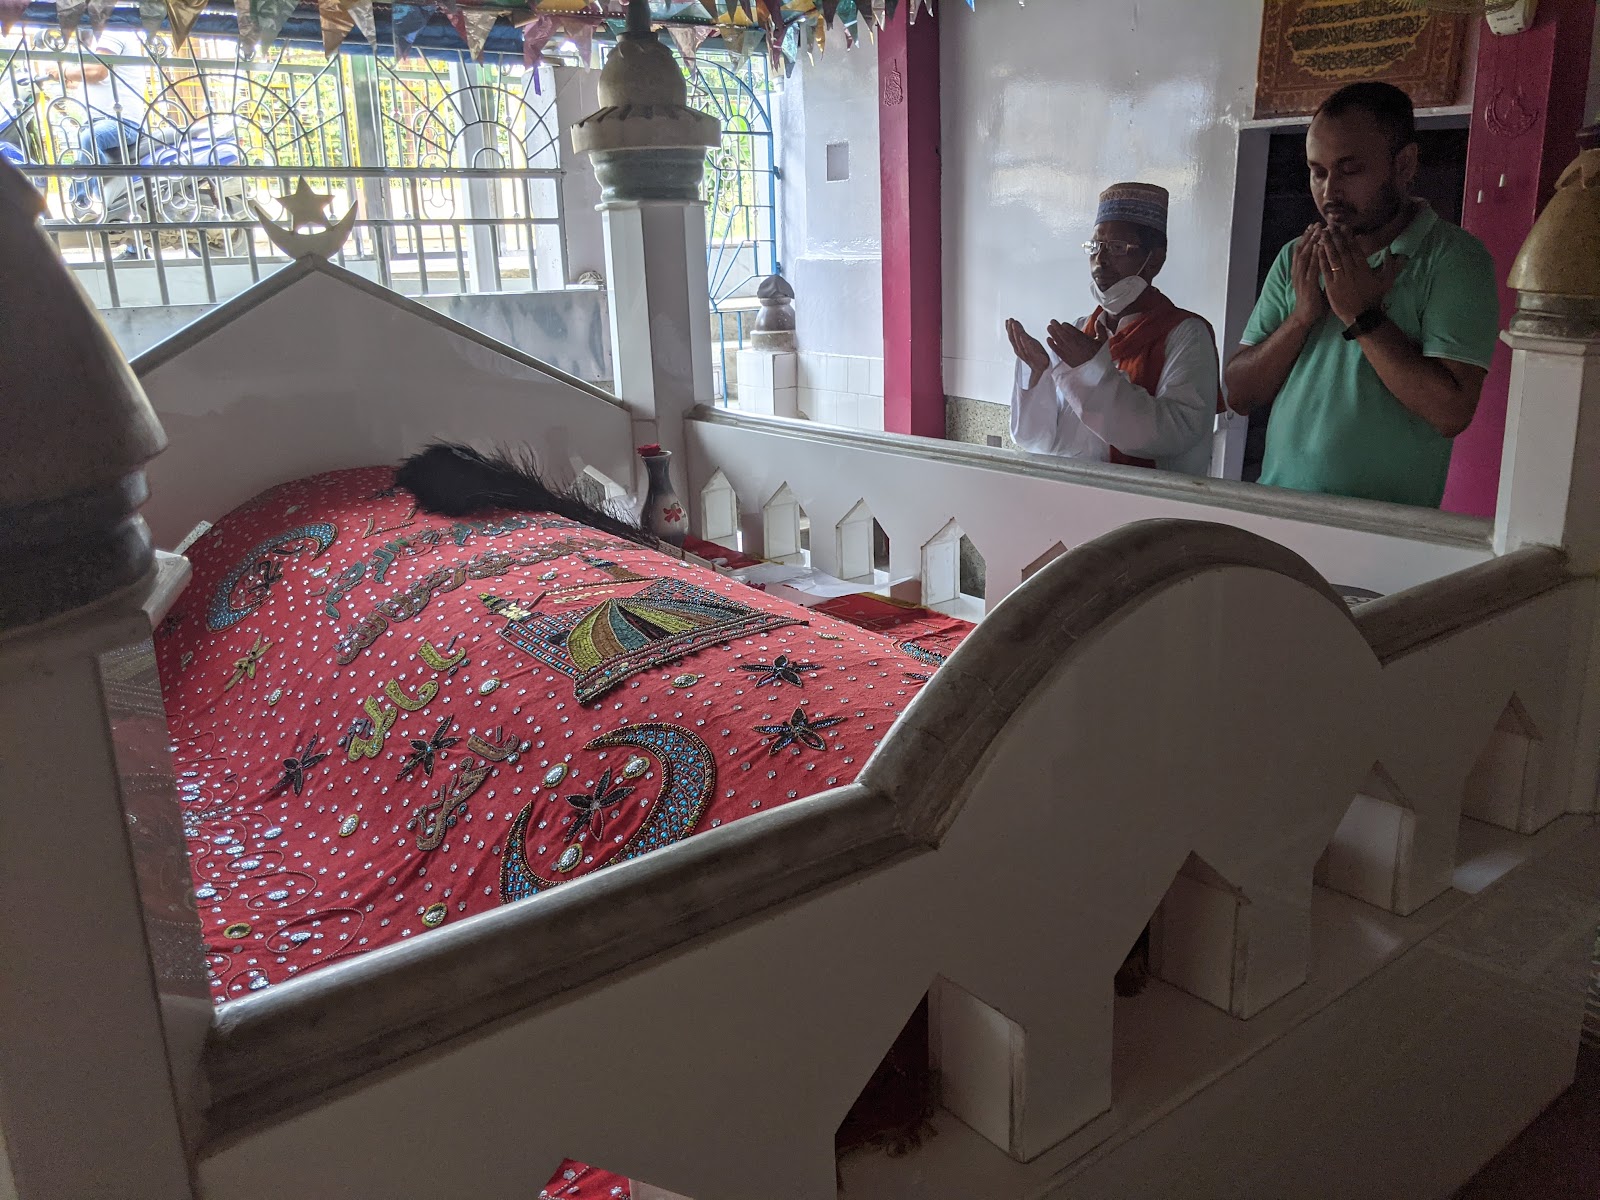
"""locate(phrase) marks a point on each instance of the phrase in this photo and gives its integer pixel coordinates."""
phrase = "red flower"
(673, 513)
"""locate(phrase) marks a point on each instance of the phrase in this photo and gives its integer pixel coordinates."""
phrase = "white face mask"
(1116, 298)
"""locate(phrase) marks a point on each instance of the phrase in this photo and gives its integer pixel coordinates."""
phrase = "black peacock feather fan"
(458, 481)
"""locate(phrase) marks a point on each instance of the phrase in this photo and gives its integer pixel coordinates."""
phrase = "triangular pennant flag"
(688, 38)
(865, 10)
(249, 35)
(11, 13)
(581, 34)
(741, 43)
(830, 11)
(336, 24)
(151, 14)
(181, 15)
(888, 11)
(269, 16)
(361, 14)
(99, 14)
(406, 21)
(69, 16)
(474, 24)
(709, 5)
(536, 35)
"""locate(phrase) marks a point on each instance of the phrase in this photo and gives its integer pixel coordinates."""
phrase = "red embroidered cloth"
(386, 721)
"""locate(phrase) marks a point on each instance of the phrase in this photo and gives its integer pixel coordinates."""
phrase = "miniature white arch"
(1371, 848)
(719, 511)
(856, 559)
(780, 527)
(1504, 782)
(941, 566)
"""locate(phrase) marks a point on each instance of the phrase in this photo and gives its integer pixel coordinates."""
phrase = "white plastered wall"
(272, 397)
(1042, 109)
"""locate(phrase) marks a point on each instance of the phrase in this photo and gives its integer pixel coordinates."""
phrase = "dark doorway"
(1287, 209)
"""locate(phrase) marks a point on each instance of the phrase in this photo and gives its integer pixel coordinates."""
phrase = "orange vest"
(1139, 351)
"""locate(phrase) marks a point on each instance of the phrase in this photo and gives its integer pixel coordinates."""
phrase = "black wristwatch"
(1365, 323)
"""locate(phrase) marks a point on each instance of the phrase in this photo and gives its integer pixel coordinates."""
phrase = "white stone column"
(90, 1103)
(1550, 468)
(660, 313)
(95, 1086)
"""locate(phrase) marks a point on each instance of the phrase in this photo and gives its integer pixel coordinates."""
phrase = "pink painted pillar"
(1526, 114)
(913, 296)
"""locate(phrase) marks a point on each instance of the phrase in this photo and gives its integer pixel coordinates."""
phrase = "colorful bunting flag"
(151, 14)
(536, 35)
(267, 18)
(69, 15)
(11, 13)
(181, 15)
(100, 14)
(361, 14)
(688, 38)
(406, 21)
(581, 34)
(741, 43)
(473, 24)
(336, 24)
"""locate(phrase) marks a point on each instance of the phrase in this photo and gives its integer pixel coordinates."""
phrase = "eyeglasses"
(1114, 249)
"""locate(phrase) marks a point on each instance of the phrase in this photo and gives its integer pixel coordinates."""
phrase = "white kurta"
(1081, 412)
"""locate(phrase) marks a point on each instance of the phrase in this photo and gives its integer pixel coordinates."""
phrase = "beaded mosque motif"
(605, 645)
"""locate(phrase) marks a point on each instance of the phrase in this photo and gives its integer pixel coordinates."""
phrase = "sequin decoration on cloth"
(578, 1181)
(245, 588)
(621, 636)
(554, 839)
(314, 827)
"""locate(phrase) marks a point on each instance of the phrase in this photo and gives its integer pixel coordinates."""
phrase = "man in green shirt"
(1374, 331)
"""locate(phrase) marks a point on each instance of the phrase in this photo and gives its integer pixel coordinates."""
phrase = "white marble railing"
(757, 475)
(1005, 846)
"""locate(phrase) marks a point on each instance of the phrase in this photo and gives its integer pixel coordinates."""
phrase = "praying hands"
(1069, 343)
(1352, 285)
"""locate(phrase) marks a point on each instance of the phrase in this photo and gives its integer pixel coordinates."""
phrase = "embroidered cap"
(1136, 203)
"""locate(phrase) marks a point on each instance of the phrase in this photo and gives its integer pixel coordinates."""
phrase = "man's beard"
(1384, 209)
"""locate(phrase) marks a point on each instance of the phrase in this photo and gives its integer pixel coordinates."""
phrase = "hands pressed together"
(1330, 272)
(1069, 343)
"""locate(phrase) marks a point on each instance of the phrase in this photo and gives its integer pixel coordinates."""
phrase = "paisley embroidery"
(245, 588)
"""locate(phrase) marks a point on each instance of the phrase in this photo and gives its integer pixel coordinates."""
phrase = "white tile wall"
(841, 389)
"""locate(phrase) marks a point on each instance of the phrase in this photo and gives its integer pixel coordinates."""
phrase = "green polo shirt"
(1335, 427)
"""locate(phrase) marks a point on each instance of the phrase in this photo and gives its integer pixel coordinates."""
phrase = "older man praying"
(1136, 381)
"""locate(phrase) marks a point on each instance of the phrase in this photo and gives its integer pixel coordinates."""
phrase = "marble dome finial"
(76, 428)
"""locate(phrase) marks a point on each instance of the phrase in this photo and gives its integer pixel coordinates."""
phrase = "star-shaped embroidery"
(295, 769)
(245, 668)
(779, 671)
(800, 729)
(423, 752)
(591, 807)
